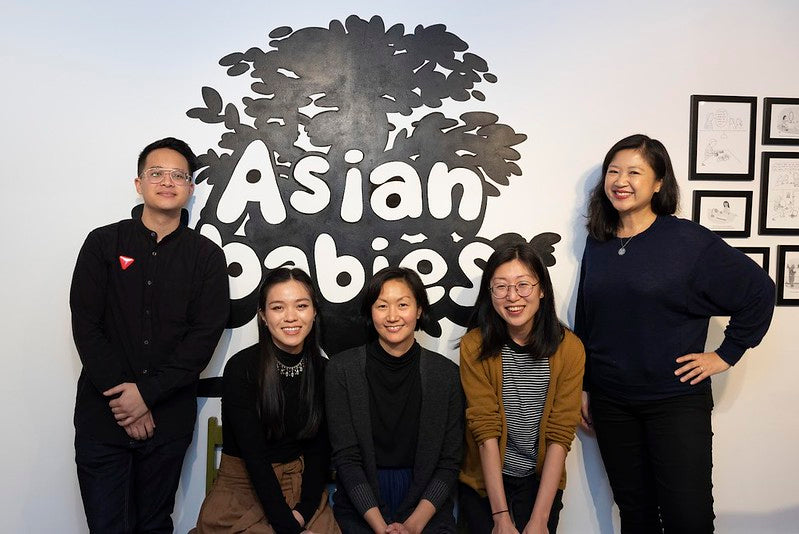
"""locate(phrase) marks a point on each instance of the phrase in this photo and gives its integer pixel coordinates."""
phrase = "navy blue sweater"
(637, 313)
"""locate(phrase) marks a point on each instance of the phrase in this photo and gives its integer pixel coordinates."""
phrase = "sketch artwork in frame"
(781, 121)
(722, 138)
(759, 255)
(787, 275)
(779, 194)
(728, 213)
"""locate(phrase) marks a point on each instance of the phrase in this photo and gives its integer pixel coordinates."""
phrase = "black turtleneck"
(395, 398)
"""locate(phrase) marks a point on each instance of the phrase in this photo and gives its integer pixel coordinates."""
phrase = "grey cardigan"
(438, 452)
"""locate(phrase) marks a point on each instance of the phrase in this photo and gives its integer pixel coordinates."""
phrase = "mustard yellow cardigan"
(485, 415)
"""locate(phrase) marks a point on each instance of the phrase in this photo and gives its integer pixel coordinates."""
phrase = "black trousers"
(129, 489)
(658, 456)
(520, 493)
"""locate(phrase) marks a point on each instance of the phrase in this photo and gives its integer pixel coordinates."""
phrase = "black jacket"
(155, 321)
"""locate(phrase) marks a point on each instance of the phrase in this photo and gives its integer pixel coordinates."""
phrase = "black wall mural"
(311, 170)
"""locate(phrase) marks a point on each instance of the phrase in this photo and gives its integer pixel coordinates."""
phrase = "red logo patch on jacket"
(125, 262)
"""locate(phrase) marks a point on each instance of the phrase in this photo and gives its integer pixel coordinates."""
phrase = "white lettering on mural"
(250, 276)
(399, 192)
(253, 178)
(328, 268)
(352, 204)
(440, 184)
(435, 272)
(287, 255)
(407, 188)
(466, 296)
(318, 197)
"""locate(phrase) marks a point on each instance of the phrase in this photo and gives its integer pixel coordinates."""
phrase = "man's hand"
(142, 428)
(129, 406)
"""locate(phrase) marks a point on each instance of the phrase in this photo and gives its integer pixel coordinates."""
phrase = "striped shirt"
(525, 381)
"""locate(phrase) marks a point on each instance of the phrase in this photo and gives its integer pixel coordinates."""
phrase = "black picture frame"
(787, 279)
(723, 130)
(724, 212)
(763, 252)
(780, 121)
(779, 194)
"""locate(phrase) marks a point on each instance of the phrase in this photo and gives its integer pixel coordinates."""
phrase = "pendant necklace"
(290, 371)
(623, 248)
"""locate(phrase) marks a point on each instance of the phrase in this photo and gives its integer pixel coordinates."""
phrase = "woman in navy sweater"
(649, 284)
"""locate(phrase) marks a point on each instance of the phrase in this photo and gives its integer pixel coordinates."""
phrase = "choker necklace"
(623, 248)
(290, 371)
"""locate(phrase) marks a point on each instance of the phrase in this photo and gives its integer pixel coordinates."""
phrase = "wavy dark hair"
(603, 219)
(547, 331)
(411, 278)
(271, 403)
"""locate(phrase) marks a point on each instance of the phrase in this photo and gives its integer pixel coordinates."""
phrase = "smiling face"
(394, 315)
(630, 184)
(289, 315)
(517, 312)
(165, 197)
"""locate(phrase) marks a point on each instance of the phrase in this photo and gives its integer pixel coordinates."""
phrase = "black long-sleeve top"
(147, 312)
(244, 437)
(638, 312)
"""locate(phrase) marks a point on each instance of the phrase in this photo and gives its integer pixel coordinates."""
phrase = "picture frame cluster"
(723, 148)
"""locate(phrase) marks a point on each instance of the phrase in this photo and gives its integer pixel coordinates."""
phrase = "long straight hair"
(271, 402)
(603, 219)
(547, 331)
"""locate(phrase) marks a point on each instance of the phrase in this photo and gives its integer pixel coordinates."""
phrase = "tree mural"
(312, 170)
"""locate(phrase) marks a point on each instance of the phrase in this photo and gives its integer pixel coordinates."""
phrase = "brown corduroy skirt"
(232, 506)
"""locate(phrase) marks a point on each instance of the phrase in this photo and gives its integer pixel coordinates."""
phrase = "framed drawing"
(781, 121)
(779, 194)
(728, 213)
(787, 279)
(722, 138)
(759, 255)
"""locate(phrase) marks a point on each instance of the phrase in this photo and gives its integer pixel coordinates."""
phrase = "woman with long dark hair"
(649, 283)
(396, 418)
(521, 371)
(275, 456)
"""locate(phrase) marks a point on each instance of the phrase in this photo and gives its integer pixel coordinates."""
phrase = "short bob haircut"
(413, 281)
(603, 219)
(547, 331)
(181, 147)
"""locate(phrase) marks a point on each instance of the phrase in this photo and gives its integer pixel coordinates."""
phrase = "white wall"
(85, 87)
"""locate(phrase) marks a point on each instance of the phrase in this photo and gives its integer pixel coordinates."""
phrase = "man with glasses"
(149, 302)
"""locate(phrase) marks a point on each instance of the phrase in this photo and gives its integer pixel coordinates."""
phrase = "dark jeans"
(520, 493)
(129, 489)
(658, 456)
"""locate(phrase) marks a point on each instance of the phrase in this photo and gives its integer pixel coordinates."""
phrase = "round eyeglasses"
(156, 175)
(523, 289)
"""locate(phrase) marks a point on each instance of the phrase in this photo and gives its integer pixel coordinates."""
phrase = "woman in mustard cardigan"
(522, 372)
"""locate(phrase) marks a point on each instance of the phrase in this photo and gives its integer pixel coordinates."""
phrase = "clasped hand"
(130, 410)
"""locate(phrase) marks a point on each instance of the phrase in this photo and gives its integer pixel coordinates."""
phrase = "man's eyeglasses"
(156, 175)
(523, 289)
